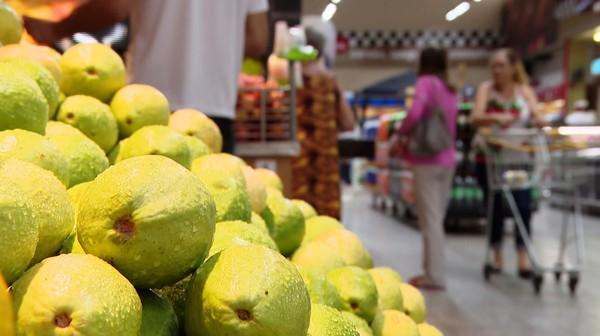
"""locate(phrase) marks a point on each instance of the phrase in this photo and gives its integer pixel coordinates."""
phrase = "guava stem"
(125, 226)
(62, 320)
(244, 315)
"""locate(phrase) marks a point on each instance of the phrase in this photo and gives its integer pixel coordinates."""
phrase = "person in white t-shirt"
(191, 50)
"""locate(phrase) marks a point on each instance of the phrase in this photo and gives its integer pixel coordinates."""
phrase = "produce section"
(118, 217)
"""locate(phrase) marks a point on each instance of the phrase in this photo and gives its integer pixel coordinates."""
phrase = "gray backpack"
(430, 135)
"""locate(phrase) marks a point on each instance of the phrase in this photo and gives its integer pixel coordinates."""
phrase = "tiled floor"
(506, 306)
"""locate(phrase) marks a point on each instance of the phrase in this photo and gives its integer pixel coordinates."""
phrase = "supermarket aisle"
(471, 307)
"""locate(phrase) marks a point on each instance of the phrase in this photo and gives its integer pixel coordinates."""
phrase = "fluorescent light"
(336, 1)
(329, 12)
(457, 11)
(477, 0)
(84, 38)
(597, 36)
(579, 130)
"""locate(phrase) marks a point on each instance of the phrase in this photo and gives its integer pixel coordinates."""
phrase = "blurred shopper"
(506, 101)
(322, 113)
(191, 50)
(433, 173)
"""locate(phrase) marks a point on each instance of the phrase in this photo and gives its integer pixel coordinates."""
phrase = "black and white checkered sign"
(422, 38)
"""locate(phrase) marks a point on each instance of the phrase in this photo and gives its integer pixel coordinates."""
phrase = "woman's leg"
(432, 186)
(496, 220)
(523, 200)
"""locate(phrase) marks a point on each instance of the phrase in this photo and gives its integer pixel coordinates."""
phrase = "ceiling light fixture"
(329, 12)
(336, 1)
(597, 36)
(457, 11)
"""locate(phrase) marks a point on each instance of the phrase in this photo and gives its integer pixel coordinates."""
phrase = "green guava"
(320, 225)
(327, 321)
(18, 226)
(22, 102)
(414, 303)
(158, 315)
(394, 323)
(361, 325)
(389, 288)
(257, 191)
(42, 77)
(270, 178)
(155, 140)
(11, 25)
(52, 208)
(34, 148)
(136, 106)
(317, 257)
(225, 181)
(92, 117)
(357, 290)
(92, 69)
(426, 329)
(348, 246)
(150, 218)
(75, 294)
(307, 210)
(85, 158)
(285, 222)
(321, 290)
(247, 291)
(197, 147)
(258, 222)
(233, 233)
(195, 123)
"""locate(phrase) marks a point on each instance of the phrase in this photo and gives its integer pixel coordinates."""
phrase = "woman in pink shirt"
(433, 174)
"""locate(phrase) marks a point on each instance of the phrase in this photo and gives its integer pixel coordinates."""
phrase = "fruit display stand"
(265, 127)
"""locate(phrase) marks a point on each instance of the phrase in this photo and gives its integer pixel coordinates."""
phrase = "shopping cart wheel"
(537, 280)
(557, 276)
(573, 282)
(487, 271)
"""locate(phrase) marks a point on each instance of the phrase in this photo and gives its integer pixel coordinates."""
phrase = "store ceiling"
(408, 14)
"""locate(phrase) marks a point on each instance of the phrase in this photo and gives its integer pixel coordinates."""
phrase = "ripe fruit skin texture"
(18, 228)
(348, 246)
(357, 290)
(74, 294)
(151, 218)
(155, 140)
(326, 321)
(195, 123)
(389, 288)
(85, 158)
(50, 204)
(285, 222)
(92, 69)
(136, 106)
(394, 323)
(158, 315)
(247, 291)
(92, 117)
(22, 102)
(34, 148)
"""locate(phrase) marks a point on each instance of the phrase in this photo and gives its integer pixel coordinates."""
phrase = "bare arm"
(479, 117)
(533, 103)
(91, 16)
(257, 34)
(346, 116)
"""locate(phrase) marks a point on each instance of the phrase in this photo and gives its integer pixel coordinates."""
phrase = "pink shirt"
(430, 90)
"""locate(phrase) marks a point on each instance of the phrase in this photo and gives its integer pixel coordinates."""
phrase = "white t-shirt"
(191, 50)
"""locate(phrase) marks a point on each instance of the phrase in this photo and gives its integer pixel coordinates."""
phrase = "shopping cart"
(520, 159)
